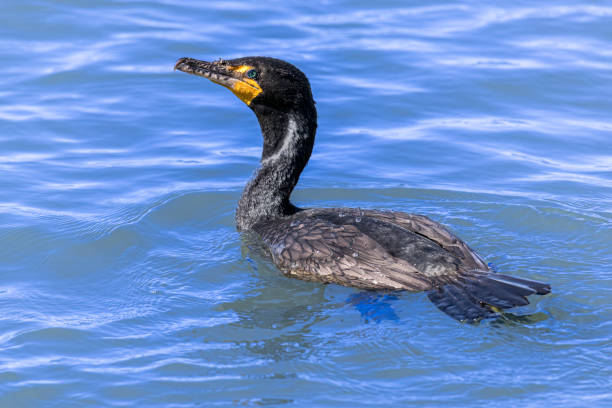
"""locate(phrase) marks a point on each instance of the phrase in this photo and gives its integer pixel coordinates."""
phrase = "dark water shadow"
(276, 314)
(513, 320)
(372, 306)
(299, 302)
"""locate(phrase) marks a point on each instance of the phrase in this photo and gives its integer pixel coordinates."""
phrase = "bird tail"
(477, 295)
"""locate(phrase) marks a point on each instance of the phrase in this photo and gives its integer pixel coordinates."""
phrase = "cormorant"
(367, 249)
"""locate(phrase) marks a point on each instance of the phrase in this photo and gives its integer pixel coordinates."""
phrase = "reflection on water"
(374, 306)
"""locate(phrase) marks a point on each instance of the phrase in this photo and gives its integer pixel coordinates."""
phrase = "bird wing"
(475, 292)
(435, 232)
(316, 249)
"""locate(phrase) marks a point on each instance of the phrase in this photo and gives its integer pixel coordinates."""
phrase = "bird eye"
(252, 74)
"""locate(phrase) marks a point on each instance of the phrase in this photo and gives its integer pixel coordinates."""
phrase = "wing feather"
(435, 232)
(316, 249)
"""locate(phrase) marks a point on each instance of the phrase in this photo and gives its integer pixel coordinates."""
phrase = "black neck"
(288, 141)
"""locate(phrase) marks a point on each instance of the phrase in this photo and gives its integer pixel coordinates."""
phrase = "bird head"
(260, 82)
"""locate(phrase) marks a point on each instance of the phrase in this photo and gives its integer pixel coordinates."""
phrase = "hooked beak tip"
(180, 63)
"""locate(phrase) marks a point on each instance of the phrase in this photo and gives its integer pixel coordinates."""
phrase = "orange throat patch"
(245, 89)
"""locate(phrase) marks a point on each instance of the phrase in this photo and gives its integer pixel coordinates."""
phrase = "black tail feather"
(541, 288)
(477, 295)
(458, 303)
(495, 293)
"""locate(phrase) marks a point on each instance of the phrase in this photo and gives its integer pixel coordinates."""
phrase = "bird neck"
(288, 141)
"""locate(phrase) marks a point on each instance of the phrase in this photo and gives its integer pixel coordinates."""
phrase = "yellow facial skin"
(246, 89)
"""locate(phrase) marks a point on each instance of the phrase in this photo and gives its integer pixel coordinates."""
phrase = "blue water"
(124, 282)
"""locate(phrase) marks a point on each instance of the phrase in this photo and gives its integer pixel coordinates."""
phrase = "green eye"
(252, 74)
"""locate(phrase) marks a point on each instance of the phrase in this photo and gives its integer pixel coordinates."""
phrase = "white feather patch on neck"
(290, 139)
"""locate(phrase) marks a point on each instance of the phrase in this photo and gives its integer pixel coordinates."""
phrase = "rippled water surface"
(124, 282)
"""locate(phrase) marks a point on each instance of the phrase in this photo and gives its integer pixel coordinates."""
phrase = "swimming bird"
(366, 249)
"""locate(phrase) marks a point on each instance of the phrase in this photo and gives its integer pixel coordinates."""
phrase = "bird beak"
(233, 77)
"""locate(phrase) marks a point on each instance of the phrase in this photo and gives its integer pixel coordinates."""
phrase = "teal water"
(124, 282)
